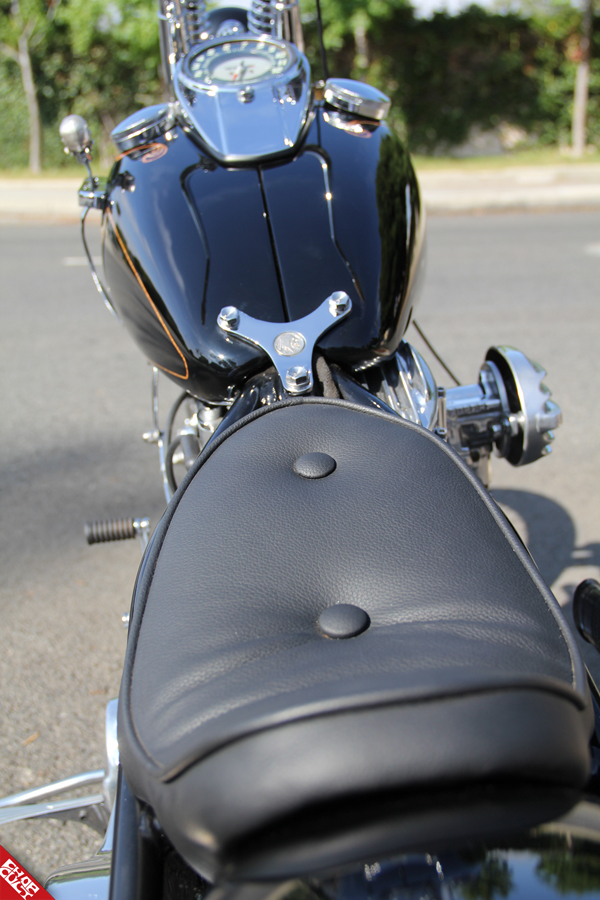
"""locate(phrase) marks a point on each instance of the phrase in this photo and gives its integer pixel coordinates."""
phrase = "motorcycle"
(308, 707)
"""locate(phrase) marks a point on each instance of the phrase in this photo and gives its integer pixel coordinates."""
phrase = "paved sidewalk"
(514, 187)
(42, 199)
(450, 190)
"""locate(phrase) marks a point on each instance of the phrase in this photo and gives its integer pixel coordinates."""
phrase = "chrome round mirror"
(75, 134)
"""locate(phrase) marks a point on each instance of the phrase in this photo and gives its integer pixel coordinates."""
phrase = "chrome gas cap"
(356, 97)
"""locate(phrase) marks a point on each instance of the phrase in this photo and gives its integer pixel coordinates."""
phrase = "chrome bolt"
(551, 417)
(514, 421)
(297, 379)
(441, 433)
(442, 409)
(339, 302)
(229, 318)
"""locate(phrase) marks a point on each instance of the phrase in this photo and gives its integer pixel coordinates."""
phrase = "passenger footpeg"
(117, 530)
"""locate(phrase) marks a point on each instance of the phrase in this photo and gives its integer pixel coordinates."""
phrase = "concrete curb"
(39, 199)
(444, 191)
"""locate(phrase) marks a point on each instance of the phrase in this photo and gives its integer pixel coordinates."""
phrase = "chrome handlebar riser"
(279, 18)
(193, 20)
(184, 23)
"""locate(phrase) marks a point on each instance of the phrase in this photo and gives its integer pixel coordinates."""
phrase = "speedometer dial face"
(239, 62)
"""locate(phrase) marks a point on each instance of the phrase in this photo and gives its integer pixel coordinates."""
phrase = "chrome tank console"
(247, 97)
(242, 87)
(243, 83)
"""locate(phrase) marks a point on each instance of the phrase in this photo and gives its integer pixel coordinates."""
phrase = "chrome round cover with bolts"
(356, 97)
(531, 414)
(144, 126)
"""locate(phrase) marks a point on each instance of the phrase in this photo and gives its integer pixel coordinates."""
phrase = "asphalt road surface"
(76, 398)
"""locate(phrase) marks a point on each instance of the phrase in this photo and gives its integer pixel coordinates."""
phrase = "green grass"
(545, 156)
(73, 170)
(67, 172)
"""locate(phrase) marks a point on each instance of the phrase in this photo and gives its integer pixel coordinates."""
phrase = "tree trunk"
(582, 77)
(33, 110)
(361, 44)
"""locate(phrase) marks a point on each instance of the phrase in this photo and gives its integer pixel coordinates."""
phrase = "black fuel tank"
(346, 215)
(185, 236)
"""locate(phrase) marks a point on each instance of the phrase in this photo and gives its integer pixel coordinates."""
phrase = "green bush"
(478, 68)
(96, 58)
(446, 75)
(14, 148)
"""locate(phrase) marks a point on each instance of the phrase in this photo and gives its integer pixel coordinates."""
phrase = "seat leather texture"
(236, 711)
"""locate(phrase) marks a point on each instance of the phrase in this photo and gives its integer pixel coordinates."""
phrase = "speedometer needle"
(241, 71)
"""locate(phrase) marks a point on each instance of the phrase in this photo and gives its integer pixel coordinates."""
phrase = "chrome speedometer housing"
(246, 98)
(238, 62)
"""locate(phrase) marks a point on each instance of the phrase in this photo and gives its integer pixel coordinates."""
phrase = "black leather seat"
(237, 712)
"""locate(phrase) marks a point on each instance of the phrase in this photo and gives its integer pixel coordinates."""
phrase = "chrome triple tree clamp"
(285, 342)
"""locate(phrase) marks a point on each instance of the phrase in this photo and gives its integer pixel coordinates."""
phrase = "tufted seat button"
(314, 465)
(344, 620)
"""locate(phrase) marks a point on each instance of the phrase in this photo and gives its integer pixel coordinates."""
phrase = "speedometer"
(239, 62)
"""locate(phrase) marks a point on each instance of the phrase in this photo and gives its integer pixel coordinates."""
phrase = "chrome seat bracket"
(290, 345)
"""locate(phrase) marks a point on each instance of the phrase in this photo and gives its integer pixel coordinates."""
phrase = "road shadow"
(47, 497)
(551, 537)
(550, 532)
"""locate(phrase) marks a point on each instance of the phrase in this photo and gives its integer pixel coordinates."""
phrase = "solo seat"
(237, 712)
